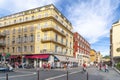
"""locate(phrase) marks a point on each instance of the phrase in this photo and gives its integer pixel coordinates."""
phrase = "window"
(25, 38)
(8, 32)
(78, 44)
(19, 39)
(32, 17)
(31, 48)
(8, 40)
(4, 23)
(70, 45)
(19, 30)
(26, 18)
(25, 29)
(18, 49)
(13, 31)
(45, 47)
(45, 25)
(70, 51)
(14, 21)
(62, 40)
(56, 47)
(39, 16)
(13, 40)
(32, 28)
(39, 27)
(66, 42)
(45, 36)
(38, 36)
(25, 48)
(13, 49)
(56, 16)
(38, 48)
(46, 14)
(31, 37)
(56, 37)
(20, 20)
(7, 49)
(66, 50)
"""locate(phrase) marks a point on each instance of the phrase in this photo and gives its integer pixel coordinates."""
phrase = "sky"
(93, 19)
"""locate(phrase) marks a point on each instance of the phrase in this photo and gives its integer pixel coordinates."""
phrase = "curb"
(116, 70)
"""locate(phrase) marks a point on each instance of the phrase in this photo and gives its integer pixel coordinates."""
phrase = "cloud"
(20, 5)
(93, 18)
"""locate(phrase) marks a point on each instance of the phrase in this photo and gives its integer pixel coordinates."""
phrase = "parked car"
(5, 68)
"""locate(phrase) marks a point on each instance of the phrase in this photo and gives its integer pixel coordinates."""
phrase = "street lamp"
(67, 58)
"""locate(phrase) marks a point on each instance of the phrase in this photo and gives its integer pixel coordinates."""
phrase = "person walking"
(84, 67)
(106, 68)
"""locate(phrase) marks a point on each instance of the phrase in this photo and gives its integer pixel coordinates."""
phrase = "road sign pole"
(38, 76)
(87, 75)
(67, 74)
(6, 76)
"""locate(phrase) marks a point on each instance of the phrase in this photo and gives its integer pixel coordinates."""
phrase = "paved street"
(60, 74)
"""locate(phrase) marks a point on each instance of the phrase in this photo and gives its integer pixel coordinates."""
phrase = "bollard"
(87, 75)
(38, 74)
(6, 76)
(67, 74)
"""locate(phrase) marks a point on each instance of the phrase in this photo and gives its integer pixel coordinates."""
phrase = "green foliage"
(118, 66)
(106, 57)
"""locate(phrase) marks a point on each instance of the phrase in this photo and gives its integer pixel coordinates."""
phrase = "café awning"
(37, 56)
(66, 58)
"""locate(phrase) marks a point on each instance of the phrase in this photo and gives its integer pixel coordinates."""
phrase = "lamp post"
(67, 58)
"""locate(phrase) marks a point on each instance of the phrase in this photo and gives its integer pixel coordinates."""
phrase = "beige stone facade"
(42, 30)
(115, 42)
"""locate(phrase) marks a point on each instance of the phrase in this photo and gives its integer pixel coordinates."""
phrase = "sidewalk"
(95, 73)
(116, 70)
(61, 69)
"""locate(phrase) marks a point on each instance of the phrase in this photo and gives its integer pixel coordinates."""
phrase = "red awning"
(40, 56)
(13, 56)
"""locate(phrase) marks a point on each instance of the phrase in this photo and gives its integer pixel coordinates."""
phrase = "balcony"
(2, 35)
(48, 51)
(2, 44)
(50, 27)
(48, 39)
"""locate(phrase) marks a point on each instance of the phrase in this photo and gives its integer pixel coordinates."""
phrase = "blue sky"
(91, 18)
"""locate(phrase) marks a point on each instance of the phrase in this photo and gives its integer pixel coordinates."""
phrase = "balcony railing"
(48, 39)
(2, 44)
(51, 27)
(48, 51)
(2, 35)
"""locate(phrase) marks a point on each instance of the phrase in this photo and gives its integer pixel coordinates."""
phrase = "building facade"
(98, 57)
(37, 35)
(115, 42)
(81, 49)
(93, 56)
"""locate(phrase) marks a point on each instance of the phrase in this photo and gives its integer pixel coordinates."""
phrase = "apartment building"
(98, 57)
(81, 49)
(93, 56)
(37, 35)
(115, 42)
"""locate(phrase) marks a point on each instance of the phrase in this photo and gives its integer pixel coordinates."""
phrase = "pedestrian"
(106, 68)
(84, 67)
(49, 66)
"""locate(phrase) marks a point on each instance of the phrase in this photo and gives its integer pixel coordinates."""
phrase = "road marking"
(19, 75)
(62, 75)
(24, 71)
